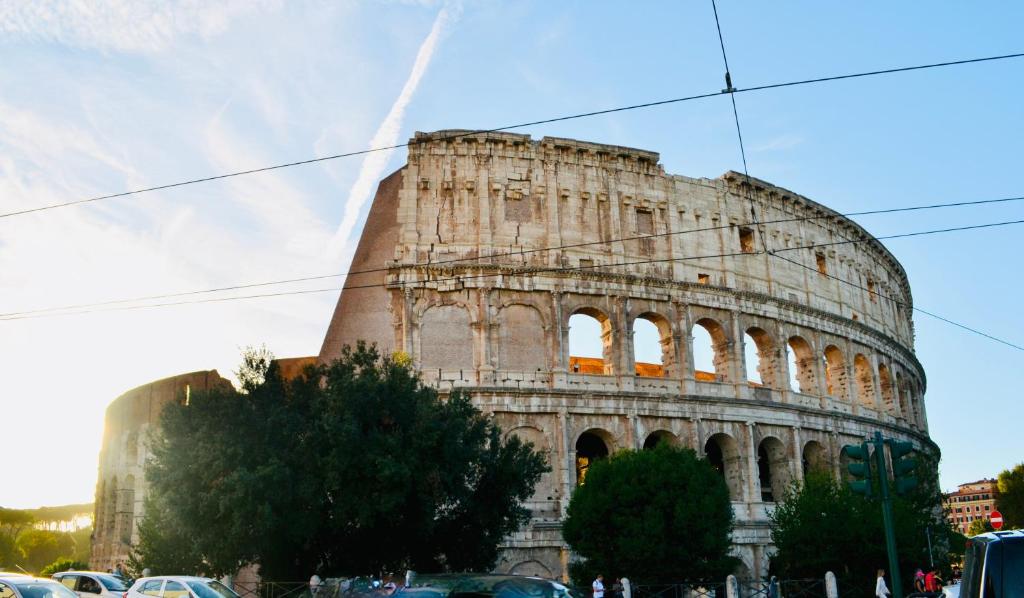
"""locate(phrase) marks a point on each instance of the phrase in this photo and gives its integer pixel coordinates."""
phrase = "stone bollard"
(732, 587)
(627, 590)
(831, 589)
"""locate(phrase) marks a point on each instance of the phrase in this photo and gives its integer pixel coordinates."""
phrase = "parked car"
(24, 586)
(178, 586)
(993, 567)
(483, 585)
(90, 584)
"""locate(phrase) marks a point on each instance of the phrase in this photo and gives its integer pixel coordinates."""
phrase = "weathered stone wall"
(483, 247)
(121, 484)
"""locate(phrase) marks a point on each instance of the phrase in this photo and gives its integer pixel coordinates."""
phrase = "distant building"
(975, 500)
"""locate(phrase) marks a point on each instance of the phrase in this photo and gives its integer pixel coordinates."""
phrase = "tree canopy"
(659, 515)
(822, 526)
(1010, 500)
(352, 467)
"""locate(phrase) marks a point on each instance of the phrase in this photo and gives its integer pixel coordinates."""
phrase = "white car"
(92, 584)
(23, 586)
(178, 586)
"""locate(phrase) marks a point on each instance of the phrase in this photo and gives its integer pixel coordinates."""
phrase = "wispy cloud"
(122, 25)
(387, 133)
(780, 143)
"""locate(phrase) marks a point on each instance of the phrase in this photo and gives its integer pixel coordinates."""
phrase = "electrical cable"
(511, 127)
(533, 271)
(514, 253)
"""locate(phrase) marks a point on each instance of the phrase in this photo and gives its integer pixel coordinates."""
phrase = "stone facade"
(477, 253)
(121, 483)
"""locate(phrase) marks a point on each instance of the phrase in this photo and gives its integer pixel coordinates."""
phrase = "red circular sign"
(996, 519)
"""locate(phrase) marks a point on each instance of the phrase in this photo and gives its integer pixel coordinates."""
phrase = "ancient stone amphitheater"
(479, 254)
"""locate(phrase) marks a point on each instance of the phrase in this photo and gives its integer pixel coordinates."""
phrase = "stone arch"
(723, 452)
(659, 327)
(591, 446)
(835, 373)
(885, 382)
(659, 436)
(520, 327)
(916, 418)
(901, 390)
(715, 343)
(126, 510)
(815, 458)
(110, 509)
(446, 338)
(765, 360)
(531, 568)
(546, 487)
(864, 376)
(589, 341)
(801, 359)
(773, 469)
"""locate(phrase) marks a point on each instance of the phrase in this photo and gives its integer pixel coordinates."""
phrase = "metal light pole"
(887, 516)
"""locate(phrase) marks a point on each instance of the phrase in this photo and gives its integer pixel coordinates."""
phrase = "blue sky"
(133, 94)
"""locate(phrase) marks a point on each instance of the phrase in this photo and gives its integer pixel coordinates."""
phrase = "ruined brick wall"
(486, 244)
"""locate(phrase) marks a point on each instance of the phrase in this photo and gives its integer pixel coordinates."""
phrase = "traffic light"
(859, 467)
(903, 466)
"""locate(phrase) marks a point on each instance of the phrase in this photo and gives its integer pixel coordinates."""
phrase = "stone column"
(798, 453)
(686, 363)
(754, 482)
(739, 361)
(567, 459)
(559, 365)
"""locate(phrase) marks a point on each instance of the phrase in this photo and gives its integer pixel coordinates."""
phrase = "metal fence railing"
(681, 590)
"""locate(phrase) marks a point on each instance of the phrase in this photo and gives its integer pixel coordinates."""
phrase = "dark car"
(469, 585)
(994, 566)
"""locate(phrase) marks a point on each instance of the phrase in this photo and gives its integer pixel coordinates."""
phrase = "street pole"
(928, 534)
(887, 516)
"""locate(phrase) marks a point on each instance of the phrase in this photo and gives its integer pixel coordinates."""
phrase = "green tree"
(1010, 500)
(822, 526)
(42, 547)
(979, 526)
(660, 515)
(63, 564)
(12, 523)
(350, 468)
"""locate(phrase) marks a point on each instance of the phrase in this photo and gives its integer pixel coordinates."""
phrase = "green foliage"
(823, 526)
(42, 547)
(1010, 500)
(979, 526)
(12, 523)
(63, 564)
(351, 468)
(660, 515)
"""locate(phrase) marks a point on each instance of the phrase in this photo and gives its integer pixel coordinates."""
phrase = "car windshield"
(112, 583)
(211, 589)
(43, 589)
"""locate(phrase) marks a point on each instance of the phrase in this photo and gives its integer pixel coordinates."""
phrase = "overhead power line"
(507, 254)
(540, 270)
(512, 127)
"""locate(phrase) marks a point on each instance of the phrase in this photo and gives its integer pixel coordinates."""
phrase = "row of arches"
(828, 373)
(776, 471)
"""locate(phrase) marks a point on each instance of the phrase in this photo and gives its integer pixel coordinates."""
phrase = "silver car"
(23, 586)
(178, 586)
(92, 584)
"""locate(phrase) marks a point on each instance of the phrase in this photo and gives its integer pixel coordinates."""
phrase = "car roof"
(174, 577)
(1013, 534)
(76, 572)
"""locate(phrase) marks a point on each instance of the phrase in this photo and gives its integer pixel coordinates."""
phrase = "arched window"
(723, 453)
(590, 447)
(901, 388)
(659, 437)
(815, 459)
(590, 342)
(865, 380)
(710, 351)
(773, 470)
(650, 345)
(759, 353)
(885, 382)
(801, 365)
(835, 373)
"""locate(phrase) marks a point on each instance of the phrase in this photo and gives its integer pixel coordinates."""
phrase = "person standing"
(598, 586)
(881, 590)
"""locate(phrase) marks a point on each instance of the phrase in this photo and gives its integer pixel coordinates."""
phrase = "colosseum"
(773, 330)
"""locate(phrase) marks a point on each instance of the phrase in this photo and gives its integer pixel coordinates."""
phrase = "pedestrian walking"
(881, 590)
(598, 586)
